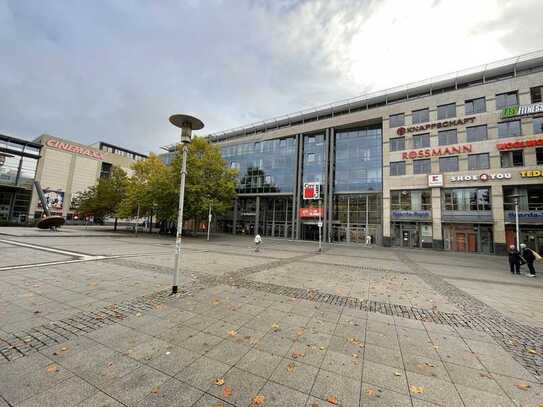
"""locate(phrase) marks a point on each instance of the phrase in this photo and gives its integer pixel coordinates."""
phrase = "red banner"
(311, 212)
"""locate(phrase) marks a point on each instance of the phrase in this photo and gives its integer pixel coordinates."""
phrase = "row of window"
(123, 153)
(472, 106)
(481, 161)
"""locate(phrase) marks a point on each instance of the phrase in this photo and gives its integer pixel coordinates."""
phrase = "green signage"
(522, 110)
(510, 112)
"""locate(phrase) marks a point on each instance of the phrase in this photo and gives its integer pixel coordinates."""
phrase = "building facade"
(436, 164)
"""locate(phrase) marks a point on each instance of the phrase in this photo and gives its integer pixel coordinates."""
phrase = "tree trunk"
(115, 225)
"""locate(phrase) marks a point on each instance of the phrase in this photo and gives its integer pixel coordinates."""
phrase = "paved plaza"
(86, 320)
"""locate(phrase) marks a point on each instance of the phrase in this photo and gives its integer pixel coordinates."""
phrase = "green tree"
(104, 198)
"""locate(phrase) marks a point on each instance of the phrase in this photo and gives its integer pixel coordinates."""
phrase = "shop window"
(448, 164)
(446, 137)
(396, 120)
(512, 158)
(509, 129)
(421, 140)
(397, 168)
(504, 100)
(539, 155)
(476, 133)
(446, 111)
(478, 161)
(535, 94)
(397, 144)
(467, 199)
(474, 106)
(538, 125)
(422, 166)
(411, 200)
(420, 116)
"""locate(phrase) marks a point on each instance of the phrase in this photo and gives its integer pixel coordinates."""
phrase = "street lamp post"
(517, 228)
(186, 123)
(209, 222)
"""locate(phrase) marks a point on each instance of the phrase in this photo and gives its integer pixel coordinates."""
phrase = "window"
(420, 116)
(512, 158)
(506, 99)
(105, 171)
(448, 164)
(422, 166)
(446, 111)
(474, 106)
(539, 156)
(311, 158)
(478, 161)
(397, 144)
(411, 200)
(509, 129)
(476, 133)
(397, 120)
(535, 94)
(446, 137)
(467, 199)
(538, 125)
(234, 165)
(421, 140)
(397, 168)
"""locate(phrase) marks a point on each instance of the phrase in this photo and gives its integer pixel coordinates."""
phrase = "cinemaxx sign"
(522, 110)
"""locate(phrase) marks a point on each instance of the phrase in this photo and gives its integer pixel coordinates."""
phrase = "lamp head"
(186, 123)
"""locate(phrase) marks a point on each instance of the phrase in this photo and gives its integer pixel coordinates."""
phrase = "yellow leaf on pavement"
(416, 389)
(232, 333)
(258, 400)
(522, 386)
(332, 399)
(227, 391)
(219, 381)
(291, 367)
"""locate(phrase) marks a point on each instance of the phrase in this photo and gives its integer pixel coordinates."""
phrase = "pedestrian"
(514, 260)
(529, 257)
(368, 240)
(258, 241)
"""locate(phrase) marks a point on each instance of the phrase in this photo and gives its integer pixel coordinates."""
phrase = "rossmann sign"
(74, 148)
(436, 125)
(436, 151)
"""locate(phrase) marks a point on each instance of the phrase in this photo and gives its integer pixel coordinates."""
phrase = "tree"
(104, 198)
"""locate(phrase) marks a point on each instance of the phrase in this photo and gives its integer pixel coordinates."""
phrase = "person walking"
(258, 241)
(514, 260)
(529, 257)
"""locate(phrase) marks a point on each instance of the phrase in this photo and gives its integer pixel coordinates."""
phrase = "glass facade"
(411, 200)
(314, 164)
(354, 216)
(266, 166)
(466, 199)
(359, 161)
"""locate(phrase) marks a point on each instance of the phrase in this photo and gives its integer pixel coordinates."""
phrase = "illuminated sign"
(74, 148)
(436, 151)
(437, 125)
(481, 177)
(435, 180)
(411, 214)
(311, 190)
(311, 212)
(513, 145)
(522, 110)
(531, 174)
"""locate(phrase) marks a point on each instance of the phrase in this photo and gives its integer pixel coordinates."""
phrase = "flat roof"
(20, 141)
(481, 74)
(103, 143)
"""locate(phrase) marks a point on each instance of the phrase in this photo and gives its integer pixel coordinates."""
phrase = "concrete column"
(331, 163)
(324, 197)
(498, 217)
(69, 185)
(387, 238)
(257, 214)
(235, 220)
(298, 191)
(437, 229)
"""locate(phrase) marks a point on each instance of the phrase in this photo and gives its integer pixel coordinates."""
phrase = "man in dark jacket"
(514, 260)
(529, 257)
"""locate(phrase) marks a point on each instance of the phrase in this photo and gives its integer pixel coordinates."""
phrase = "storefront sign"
(311, 190)
(435, 180)
(411, 215)
(437, 125)
(436, 151)
(514, 145)
(54, 199)
(522, 110)
(481, 177)
(73, 148)
(531, 174)
(311, 212)
(524, 216)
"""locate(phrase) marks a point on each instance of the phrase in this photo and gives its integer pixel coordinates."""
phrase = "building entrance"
(411, 234)
(310, 232)
(468, 238)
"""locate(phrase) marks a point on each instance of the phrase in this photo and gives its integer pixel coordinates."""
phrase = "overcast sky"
(115, 70)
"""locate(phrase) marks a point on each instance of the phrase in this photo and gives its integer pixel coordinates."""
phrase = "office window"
(476, 133)
(538, 125)
(474, 106)
(397, 144)
(397, 120)
(504, 100)
(420, 116)
(539, 155)
(411, 200)
(446, 137)
(397, 168)
(509, 129)
(421, 140)
(467, 199)
(535, 94)
(422, 166)
(448, 164)
(478, 161)
(513, 158)
(446, 111)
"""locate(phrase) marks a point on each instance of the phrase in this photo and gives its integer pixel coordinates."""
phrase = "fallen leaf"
(258, 400)
(232, 333)
(215, 301)
(275, 327)
(322, 348)
(37, 312)
(296, 355)
(416, 389)
(300, 332)
(532, 351)
(372, 393)
(219, 381)
(218, 404)
(397, 374)
(64, 349)
(331, 399)
(487, 375)
(522, 386)
(291, 367)
(156, 390)
(138, 314)
(227, 391)
(52, 368)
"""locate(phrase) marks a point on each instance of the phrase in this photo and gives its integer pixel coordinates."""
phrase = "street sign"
(311, 190)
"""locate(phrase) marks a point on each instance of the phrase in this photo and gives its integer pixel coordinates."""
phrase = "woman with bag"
(529, 256)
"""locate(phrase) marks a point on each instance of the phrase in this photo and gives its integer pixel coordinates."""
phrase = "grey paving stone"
(475, 379)
(171, 393)
(479, 398)
(428, 367)
(260, 363)
(329, 385)
(210, 401)
(307, 353)
(240, 387)
(295, 375)
(374, 396)
(433, 390)
(385, 377)
(522, 392)
(65, 394)
(228, 352)
(347, 346)
(103, 371)
(383, 340)
(100, 400)
(203, 372)
(384, 356)
(201, 342)
(344, 365)
(354, 329)
(505, 365)
(274, 343)
(173, 359)
(148, 350)
(178, 334)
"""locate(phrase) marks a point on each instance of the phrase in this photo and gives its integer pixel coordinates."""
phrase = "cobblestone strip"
(525, 343)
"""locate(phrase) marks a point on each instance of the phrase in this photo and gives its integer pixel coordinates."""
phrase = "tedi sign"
(74, 148)
(436, 125)
(522, 110)
(436, 151)
(481, 177)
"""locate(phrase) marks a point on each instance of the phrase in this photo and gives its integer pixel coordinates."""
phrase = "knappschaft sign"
(522, 110)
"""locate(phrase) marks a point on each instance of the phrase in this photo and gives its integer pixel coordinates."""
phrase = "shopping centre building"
(438, 163)
(62, 167)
